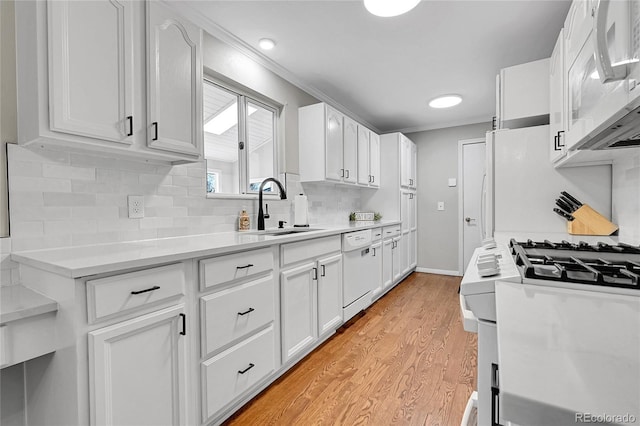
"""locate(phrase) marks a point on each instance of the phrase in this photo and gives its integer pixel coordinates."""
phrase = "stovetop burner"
(599, 264)
(580, 246)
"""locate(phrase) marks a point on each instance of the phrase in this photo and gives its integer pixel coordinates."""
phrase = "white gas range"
(558, 332)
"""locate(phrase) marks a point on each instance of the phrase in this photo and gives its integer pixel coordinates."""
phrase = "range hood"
(622, 133)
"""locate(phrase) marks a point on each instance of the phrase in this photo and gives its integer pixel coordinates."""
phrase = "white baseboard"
(439, 271)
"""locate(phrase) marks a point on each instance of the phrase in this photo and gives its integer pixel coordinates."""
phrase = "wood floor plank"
(406, 361)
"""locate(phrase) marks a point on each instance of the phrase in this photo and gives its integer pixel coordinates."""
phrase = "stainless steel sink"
(285, 231)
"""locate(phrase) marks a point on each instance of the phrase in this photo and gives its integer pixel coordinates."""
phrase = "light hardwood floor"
(406, 361)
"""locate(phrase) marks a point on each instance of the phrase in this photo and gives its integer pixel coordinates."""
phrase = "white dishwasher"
(358, 268)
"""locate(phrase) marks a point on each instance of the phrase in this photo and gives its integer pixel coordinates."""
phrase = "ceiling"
(383, 71)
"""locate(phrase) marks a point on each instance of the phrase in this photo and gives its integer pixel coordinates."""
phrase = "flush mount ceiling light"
(446, 101)
(387, 8)
(266, 44)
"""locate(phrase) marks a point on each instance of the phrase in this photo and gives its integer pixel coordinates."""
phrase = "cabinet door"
(413, 212)
(413, 165)
(557, 100)
(376, 283)
(387, 262)
(299, 315)
(398, 258)
(137, 371)
(404, 209)
(334, 169)
(350, 150)
(364, 174)
(174, 82)
(405, 161)
(413, 249)
(91, 68)
(329, 293)
(374, 159)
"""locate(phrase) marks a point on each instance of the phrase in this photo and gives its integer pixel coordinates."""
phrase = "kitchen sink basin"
(285, 231)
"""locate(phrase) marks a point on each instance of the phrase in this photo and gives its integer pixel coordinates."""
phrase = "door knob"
(468, 219)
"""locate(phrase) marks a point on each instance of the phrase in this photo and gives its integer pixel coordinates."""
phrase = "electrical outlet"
(136, 206)
(440, 205)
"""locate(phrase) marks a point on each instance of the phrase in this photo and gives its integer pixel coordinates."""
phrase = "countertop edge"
(35, 258)
(39, 305)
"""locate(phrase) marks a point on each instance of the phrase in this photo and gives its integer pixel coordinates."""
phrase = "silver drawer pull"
(251, 365)
(155, 287)
(248, 311)
(245, 266)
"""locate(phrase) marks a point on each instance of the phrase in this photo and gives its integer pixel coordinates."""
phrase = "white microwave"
(603, 76)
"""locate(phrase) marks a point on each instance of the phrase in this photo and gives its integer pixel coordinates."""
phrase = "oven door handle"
(606, 70)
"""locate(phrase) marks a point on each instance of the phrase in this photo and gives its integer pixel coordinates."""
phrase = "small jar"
(244, 223)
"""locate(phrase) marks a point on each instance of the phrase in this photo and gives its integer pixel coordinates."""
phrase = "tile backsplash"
(626, 198)
(60, 198)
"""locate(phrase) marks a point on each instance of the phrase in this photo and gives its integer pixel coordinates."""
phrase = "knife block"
(589, 222)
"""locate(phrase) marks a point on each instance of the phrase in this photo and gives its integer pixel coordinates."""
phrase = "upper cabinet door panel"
(174, 82)
(90, 68)
(364, 175)
(374, 159)
(334, 169)
(350, 150)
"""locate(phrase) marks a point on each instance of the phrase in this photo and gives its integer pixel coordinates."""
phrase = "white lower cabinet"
(299, 301)
(387, 263)
(138, 370)
(231, 373)
(311, 293)
(397, 255)
(378, 260)
(329, 293)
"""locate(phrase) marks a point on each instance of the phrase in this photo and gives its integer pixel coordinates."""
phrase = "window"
(239, 141)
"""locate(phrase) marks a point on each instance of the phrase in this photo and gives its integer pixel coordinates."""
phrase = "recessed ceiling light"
(387, 8)
(445, 101)
(266, 43)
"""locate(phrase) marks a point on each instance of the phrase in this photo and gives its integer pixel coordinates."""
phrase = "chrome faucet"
(283, 196)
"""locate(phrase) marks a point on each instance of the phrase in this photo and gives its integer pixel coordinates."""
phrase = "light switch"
(452, 182)
(440, 205)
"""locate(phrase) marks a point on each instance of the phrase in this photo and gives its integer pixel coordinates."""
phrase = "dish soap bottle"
(244, 222)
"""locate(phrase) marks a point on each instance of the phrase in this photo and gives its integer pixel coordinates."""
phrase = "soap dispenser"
(244, 223)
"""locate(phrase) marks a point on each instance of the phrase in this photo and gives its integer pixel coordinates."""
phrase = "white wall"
(626, 198)
(437, 162)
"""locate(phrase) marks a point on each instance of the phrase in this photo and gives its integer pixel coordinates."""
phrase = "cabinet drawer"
(232, 267)
(391, 231)
(376, 234)
(234, 371)
(230, 314)
(303, 250)
(127, 292)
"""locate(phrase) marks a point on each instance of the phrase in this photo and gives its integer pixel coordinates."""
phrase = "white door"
(334, 169)
(374, 159)
(557, 100)
(473, 164)
(329, 293)
(137, 371)
(91, 69)
(387, 263)
(398, 257)
(413, 165)
(350, 150)
(376, 281)
(299, 309)
(174, 72)
(364, 175)
(405, 161)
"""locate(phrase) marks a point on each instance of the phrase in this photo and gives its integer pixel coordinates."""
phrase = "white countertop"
(18, 302)
(82, 261)
(565, 351)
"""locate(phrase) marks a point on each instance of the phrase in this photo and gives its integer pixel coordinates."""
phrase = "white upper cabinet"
(81, 73)
(557, 100)
(350, 150)
(174, 82)
(364, 175)
(82, 82)
(408, 162)
(374, 159)
(368, 157)
(331, 146)
(523, 95)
